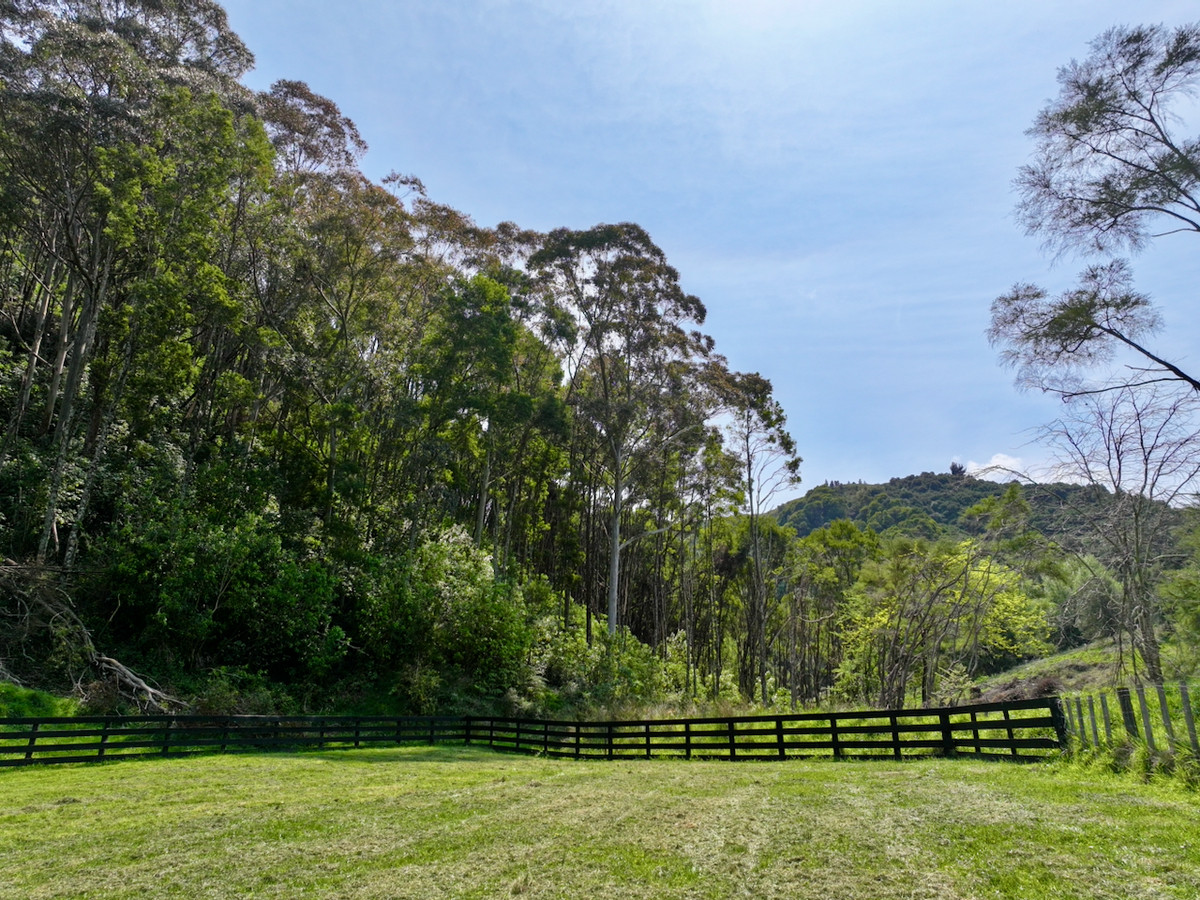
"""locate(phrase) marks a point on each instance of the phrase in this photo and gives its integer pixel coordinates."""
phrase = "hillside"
(931, 505)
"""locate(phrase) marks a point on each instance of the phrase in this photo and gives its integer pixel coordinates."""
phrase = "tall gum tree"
(633, 356)
(755, 430)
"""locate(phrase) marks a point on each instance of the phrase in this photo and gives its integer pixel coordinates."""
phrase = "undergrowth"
(20, 702)
(1136, 762)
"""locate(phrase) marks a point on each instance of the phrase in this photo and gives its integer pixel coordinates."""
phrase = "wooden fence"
(1022, 730)
(1159, 716)
(92, 738)
(1025, 730)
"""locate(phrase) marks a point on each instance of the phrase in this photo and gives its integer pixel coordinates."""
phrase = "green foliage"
(21, 702)
(280, 435)
(204, 585)
(1101, 180)
(227, 690)
(1083, 596)
(1180, 593)
(935, 505)
(924, 610)
(465, 629)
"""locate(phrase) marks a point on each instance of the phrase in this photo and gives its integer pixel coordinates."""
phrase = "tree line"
(255, 401)
(275, 429)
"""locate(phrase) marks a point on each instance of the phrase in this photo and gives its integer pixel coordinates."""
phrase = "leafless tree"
(1142, 446)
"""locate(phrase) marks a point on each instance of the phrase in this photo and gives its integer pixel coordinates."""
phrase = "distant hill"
(931, 505)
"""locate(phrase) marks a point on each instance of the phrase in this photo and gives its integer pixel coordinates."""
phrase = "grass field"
(469, 823)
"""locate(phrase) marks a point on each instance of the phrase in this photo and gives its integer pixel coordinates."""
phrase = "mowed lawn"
(437, 822)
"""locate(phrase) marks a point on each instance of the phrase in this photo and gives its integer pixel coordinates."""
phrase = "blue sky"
(833, 179)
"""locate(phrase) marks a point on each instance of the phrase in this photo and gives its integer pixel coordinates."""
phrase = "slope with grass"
(1098, 666)
(468, 823)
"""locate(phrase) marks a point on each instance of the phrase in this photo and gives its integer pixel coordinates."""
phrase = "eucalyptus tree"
(632, 358)
(755, 430)
(121, 137)
(823, 567)
(114, 136)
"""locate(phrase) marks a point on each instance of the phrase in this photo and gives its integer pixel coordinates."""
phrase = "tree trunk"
(45, 286)
(62, 430)
(484, 485)
(66, 312)
(1148, 644)
(614, 546)
(85, 495)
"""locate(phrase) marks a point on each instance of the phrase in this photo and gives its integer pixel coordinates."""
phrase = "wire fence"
(1158, 716)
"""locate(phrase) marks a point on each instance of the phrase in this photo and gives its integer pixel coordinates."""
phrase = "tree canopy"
(1114, 168)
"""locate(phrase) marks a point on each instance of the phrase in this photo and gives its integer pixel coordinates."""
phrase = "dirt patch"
(1023, 689)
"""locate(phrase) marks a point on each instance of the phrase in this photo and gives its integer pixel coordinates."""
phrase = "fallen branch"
(42, 604)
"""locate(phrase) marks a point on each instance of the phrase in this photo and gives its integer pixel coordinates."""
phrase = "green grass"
(442, 822)
(1088, 668)
(17, 702)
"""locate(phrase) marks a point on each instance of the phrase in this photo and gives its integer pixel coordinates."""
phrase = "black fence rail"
(1021, 730)
(92, 738)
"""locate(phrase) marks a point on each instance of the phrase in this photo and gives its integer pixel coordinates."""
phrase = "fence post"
(577, 733)
(732, 741)
(1080, 725)
(975, 732)
(609, 739)
(166, 747)
(1141, 693)
(1107, 719)
(103, 739)
(687, 740)
(466, 730)
(1162, 708)
(1008, 728)
(647, 727)
(779, 737)
(1059, 720)
(833, 737)
(947, 734)
(33, 730)
(896, 736)
(1127, 716)
(1092, 716)
(1188, 718)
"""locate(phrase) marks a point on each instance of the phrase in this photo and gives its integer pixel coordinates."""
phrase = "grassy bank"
(469, 823)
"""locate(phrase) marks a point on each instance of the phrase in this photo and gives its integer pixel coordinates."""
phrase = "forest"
(282, 437)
